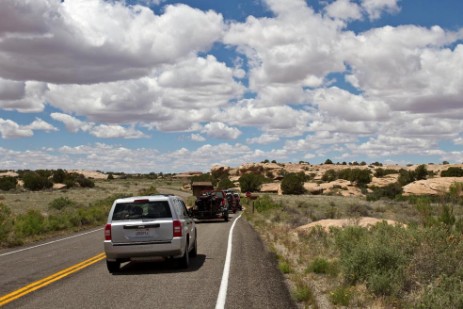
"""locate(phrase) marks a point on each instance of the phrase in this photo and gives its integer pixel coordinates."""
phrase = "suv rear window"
(146, 210)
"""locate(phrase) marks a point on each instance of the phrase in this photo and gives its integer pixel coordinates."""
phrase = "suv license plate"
(144, 232)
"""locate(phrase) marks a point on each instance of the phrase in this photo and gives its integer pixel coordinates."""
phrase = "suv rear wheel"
(194, 251)
(184, 261)
(113, 267)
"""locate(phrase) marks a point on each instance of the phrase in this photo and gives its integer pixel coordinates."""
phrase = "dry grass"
(22, 201)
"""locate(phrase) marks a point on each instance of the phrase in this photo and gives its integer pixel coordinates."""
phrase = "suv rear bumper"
(174, 248)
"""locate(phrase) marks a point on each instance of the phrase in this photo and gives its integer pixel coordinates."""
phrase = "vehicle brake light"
(107, 232)
(141, 201)
(177, 228)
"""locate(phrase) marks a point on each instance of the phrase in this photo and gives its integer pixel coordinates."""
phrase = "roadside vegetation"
(413, 264)
(29, 214)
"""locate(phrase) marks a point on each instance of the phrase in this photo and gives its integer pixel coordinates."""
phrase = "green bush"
(421, 172)
(329, 175)
(148, 191)
(34, 181)
(371, 257)
(30, 224)
(319, 266)
(265, 203)
(406, 177)
(85, 182)
(8, 183)
(225, 183)
(341, 296)
(59, 176)
(293, 183)
(390, 191)
(60, 203)
(250, 182)
(6, 223)
(452, 172)
(446, 293)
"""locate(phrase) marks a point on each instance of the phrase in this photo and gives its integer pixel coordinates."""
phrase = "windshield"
(147, 210)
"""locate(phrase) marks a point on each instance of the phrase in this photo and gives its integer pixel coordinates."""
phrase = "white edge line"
(226, 270)
(50, 242)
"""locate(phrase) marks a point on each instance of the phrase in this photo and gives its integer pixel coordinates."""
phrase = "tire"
(113, 267)
(184, 261)
(194, 251)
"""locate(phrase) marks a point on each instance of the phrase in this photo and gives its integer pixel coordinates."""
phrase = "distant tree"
(328, 161)
(452, 172)
(265, 161)
(421, 172)
(34, 181)
(250, 182)
(225, 183)
(330, 175)
(445, 162)
(274, 161)
(406, 177)
(59, 175)
(7, 183)
(293, 183)
(85, 182)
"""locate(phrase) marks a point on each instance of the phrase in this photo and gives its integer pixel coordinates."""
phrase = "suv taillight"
(107, 232)
(177, 228)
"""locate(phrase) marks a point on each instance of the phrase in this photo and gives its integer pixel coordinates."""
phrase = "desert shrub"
(85, 182)
(284, 267)
(293, 183)
(358, 210)
(148, 191)
(371, 257)
(321, 266)
(329, 175)
(34, 181)
(341, 296)
(30, 224)
(406, 177)
(6, 223)
(328, 161)
(8, 183)
(302, 293)
(225, 183)
(58, 176)
(446, 293)
(360, 176)
(60, 203)
(390, 191)
(452, 172)
(265, 203)
(251, 182)
(380, 172)
(421, 172)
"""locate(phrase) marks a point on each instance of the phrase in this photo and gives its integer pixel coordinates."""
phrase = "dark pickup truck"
(210, 205)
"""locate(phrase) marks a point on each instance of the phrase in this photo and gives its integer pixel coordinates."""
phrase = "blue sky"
(169, 86)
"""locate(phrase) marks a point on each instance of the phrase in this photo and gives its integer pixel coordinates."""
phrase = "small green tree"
(293, 183)
(328, 161)
(59, 176)
(250, 182)
(225, 183)
(33, 181)
(421, 172)
(7, 183)
(452, 172)
(330, 175)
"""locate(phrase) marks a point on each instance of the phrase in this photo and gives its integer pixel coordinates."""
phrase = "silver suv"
(149, 226)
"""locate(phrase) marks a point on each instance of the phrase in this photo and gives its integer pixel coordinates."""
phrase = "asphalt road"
(254, 281)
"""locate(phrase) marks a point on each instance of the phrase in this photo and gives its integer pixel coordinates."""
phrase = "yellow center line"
(5, 299)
